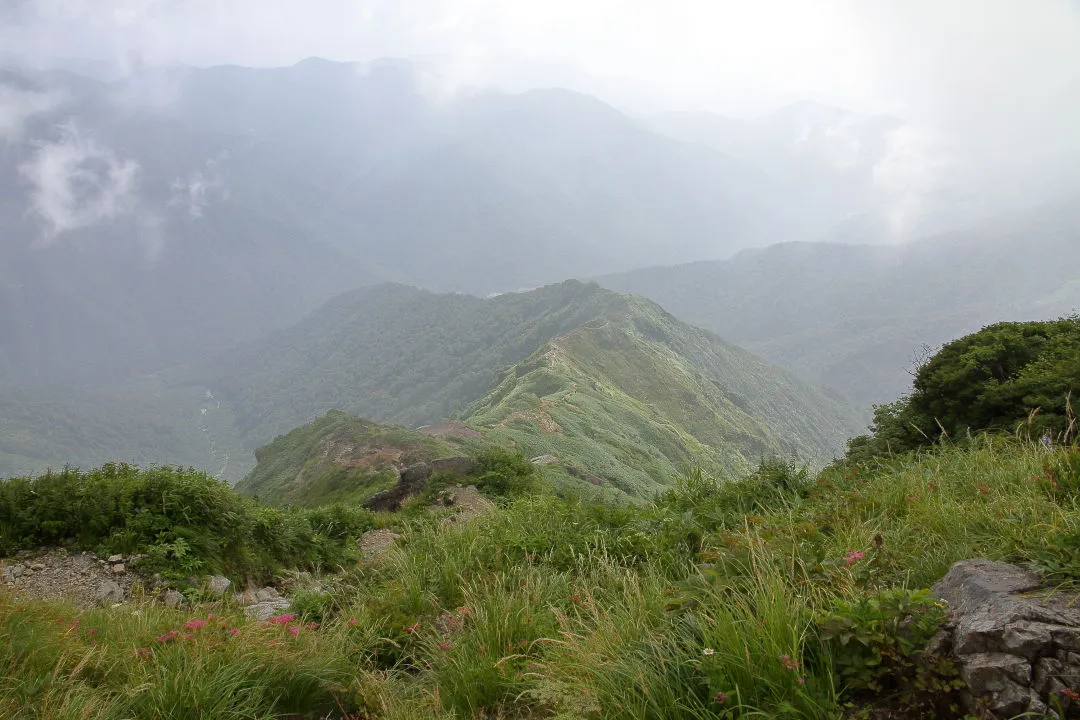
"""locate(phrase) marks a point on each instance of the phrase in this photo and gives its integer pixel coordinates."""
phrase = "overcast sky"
(991, 87)
(948, 61)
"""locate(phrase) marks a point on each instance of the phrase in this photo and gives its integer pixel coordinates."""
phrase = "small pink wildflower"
(789, 663)
(801, 681)
(444, 646)
(194, 624)
(234, 631)
(282, 619)
(168, 637)
(141, 652)
(353, 622)
(720, 698)
(187, 636)
(312, 626)
(294, 630)
(852, 556)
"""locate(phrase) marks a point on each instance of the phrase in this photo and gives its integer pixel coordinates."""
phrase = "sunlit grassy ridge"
(638, 397)
(708, 602)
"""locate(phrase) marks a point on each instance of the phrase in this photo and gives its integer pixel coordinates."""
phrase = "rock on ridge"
(1018, 653)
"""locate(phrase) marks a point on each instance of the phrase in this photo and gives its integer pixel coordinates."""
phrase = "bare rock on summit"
(1018, 648)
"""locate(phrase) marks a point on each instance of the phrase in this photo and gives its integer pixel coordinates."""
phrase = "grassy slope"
(637, 397)
(553, 608)
(338, 458)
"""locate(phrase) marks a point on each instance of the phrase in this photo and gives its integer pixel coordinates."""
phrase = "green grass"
(705, 603)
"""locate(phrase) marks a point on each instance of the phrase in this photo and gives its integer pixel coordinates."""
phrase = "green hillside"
(636, 397)
(338, 458)
(621, 392)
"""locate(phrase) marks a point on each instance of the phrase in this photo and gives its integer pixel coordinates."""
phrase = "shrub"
(184, 521)
(877, 644)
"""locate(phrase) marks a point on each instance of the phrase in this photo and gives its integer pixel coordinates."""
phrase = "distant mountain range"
(854, 318)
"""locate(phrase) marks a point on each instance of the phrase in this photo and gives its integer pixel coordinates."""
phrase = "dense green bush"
(184, 521)
(1009, 377)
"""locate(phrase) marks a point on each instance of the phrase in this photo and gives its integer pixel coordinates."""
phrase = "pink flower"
(194, 624)
(312, 626)
(294, 630)
(444, 646)
(141, 652)
(353, 622)
(720, 698)
(801, 681)
(282, 619)
(234, 631)
(852, 556)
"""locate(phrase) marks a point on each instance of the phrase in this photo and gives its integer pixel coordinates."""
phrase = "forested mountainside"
(398, 354)
(854, 318)
(511, 363)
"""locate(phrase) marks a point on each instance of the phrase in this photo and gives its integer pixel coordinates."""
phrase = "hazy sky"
(946, 61)
(988, 87)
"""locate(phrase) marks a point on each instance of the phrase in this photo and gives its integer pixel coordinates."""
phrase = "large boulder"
(1018, 648)
(414, 479)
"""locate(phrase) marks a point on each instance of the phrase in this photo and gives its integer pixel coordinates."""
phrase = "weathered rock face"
(414, 479)
(1019, 651)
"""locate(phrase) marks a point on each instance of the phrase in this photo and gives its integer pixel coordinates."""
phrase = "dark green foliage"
(500, 473)
(877, 645)
(1007, 377)
(185, 521)
(716, 504)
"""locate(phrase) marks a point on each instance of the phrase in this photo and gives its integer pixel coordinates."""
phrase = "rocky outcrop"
(414, 479)
(1018, 648)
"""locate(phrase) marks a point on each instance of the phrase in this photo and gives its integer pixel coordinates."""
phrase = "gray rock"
(17, 571)
(172, 599)
(118, 569)
(115, 558)
(38, 567)
(108, 592)
(545, 460)
(218, 585)
(267, 594)
(993, 672)
(1016, 650)
(267, 609)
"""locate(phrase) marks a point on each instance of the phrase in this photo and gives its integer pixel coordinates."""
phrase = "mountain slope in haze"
(401, 354)
(855, 317)
(636, 397)
(164, 217)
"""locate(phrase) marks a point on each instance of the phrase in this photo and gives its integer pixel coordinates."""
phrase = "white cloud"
(75, 183)
(201, 187)
(18, 106)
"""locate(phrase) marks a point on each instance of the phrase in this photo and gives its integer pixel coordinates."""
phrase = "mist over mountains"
(168, 214)
(152, 224)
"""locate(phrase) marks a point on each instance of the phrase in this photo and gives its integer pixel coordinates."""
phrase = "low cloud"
(199, 189)
(18, 106)
(76, 183)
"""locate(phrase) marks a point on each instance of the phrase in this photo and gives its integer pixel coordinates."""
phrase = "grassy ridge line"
(707, 603)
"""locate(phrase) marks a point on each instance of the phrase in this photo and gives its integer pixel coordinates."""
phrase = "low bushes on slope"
(185, 521)
(1008, 377)
(717, 600)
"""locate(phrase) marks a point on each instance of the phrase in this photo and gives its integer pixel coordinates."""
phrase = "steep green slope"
(636, 397)
(393, 353)
(854, 317)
